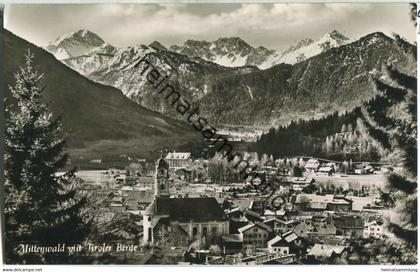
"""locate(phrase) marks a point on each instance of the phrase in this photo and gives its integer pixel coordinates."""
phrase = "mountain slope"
(234, 52)
(330, 75)
(229, 52)
(191, 75)
(305, 49)
(336, 80)
(93, 113)
(74, 44)
(197, 64)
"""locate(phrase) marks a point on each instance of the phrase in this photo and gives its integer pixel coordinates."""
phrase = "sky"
(274, 26)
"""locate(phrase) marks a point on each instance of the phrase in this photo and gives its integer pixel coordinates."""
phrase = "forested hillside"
(336, 80)
(335, 136)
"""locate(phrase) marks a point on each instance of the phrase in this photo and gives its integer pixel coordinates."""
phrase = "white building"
(312, 165)
(374, 229)
(178, 160)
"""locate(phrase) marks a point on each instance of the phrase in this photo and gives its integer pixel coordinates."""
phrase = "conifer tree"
(41, 207)
(390, 119)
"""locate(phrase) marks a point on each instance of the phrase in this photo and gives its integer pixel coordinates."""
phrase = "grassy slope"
(98, 120)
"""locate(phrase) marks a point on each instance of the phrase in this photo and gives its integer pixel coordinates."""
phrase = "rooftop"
(186, 209)
(178, 155)
(258, 225)
(322, 250)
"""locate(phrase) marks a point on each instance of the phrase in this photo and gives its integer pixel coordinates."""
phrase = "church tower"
(162, 178)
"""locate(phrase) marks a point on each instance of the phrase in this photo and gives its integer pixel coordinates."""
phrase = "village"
(176, 214)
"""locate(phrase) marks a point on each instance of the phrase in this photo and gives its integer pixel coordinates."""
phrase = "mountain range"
(98, 120)
(234, 52)
(74, 44)
(236, 84)
(228, 52)
(336, 80)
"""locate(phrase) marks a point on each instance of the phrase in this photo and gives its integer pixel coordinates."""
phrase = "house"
(327, 251)
(364, 168)
(318, 226)
(360, 171)
(369, 169)
(281, 226)
(235, 213)
(299, 183)
(281, 213)
(312, 202)
(139, 198)
(145, 182)
(178, 160)
(236, 220)
(303, 229)
(297, 245)
(236, 224)
(255, 236)
(303, 181)
(312, 166)
(323, 226)
(120, 178)
(374, 229)
(131, 180)
(349, 225)
(287, 243)
(326, 170)
(340, 204)
(231, 243)
(278, 245)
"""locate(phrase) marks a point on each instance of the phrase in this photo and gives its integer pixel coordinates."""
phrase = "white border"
(202, 268)
(194, 1)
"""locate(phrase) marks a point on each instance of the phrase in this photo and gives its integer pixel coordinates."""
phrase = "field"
(115, 153)
(352, 181)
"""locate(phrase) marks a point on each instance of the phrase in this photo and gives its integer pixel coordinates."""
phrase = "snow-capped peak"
(334, 38)
(81, 34)
(234, 52)
(226, 51)
(306, 48)
(105, 48)
(75, 43)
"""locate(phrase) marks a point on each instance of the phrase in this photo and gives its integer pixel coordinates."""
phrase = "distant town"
(178, 210)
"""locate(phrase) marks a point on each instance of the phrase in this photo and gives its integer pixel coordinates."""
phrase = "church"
(180, 221)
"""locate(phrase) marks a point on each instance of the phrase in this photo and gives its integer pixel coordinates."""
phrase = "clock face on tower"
(162, 172)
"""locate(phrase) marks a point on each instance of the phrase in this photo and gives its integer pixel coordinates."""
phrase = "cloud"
(176, 19)
(346, 8)
(271, 25)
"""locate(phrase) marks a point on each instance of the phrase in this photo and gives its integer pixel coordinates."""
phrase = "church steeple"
(162, 177)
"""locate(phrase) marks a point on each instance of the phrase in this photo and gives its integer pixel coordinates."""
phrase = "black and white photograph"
(234, 134)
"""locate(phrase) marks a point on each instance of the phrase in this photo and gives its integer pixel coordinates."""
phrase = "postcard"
(210, 134)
